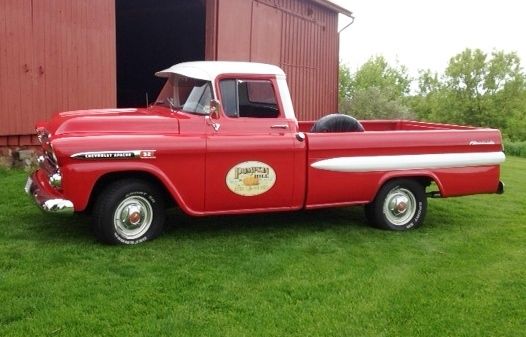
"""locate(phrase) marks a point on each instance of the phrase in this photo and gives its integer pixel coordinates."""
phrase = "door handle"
(280, 126)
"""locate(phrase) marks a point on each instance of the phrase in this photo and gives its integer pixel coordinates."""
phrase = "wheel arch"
(424, 178)
(108, 178)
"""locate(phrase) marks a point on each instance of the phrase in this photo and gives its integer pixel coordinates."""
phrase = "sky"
(425, 34)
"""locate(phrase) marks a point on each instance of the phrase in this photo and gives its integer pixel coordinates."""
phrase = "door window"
(249, 98)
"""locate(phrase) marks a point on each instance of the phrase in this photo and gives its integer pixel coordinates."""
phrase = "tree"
(375, 90)
(430, 96)
(476, 89)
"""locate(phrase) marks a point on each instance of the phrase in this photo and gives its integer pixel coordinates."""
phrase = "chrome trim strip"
(409, 162)
(106, 155)
(96, 155)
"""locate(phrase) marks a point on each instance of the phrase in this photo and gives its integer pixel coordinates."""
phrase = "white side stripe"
(409, 162)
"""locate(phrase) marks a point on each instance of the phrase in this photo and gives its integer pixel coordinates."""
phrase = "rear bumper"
(500, 189)
(45, 197)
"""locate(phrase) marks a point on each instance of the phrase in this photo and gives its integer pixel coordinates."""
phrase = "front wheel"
(399, 205)
(129, 212)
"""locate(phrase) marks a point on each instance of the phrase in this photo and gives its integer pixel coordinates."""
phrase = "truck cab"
(253, 124)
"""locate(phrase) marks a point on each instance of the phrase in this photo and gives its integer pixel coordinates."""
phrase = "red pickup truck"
(222, 138)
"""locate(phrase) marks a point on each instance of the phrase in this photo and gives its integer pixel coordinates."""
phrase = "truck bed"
(354, 164)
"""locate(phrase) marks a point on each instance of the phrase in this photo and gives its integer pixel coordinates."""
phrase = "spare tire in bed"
(337, 123)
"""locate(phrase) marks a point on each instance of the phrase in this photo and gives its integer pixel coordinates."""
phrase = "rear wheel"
(129, 212)
(399, 205)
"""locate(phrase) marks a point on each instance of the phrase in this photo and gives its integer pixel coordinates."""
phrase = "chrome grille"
(47, 160)
(47, 164)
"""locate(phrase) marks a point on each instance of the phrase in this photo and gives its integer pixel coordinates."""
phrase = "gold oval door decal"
(250, 178)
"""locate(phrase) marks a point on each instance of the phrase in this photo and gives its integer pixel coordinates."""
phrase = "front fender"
(80, 179)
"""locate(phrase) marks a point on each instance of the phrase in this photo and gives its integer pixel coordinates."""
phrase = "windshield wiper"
(168, 101)
(172, 104)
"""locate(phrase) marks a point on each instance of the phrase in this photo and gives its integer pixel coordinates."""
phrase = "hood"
(154, 120)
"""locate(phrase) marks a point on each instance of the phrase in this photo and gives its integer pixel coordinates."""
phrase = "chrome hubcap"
(133, 217)
(399, 206)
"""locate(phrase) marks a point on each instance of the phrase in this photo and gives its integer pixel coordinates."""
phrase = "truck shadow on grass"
(300, 221)
(343, 221)
(77, 228)
(35, 226)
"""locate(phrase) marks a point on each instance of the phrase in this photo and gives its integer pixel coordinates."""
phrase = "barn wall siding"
(16, 66)
(299, 36)
(55, 55)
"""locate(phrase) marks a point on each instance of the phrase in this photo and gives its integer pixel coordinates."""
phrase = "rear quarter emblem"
(481, 142)
(250, 178)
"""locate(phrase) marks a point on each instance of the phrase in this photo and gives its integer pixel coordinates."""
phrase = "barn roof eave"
(332, 6)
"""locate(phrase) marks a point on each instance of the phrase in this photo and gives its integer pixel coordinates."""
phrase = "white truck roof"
(209, 70)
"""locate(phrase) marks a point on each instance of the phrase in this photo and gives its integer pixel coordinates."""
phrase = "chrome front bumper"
(44, 197)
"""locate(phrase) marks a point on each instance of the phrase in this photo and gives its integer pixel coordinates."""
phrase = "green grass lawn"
(318, 273)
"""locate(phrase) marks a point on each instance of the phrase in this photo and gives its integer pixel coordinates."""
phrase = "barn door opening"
(151, 36)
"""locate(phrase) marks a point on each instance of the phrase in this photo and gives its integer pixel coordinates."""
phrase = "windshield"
(186, 94)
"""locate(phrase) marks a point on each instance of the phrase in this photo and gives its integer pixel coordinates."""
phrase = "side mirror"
(215, 107)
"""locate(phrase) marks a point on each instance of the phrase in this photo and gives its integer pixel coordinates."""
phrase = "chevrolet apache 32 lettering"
(223, 138)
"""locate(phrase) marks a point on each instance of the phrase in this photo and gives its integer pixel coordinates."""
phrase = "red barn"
(58, 55)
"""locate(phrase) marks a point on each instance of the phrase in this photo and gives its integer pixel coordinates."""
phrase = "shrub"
(515, 148)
